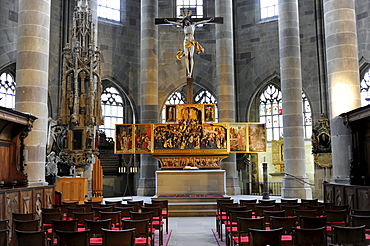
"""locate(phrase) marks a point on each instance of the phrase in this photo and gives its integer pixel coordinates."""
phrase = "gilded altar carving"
(321, 143)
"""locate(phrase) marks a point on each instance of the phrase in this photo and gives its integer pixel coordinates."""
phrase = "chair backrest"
(309, 236)
(51, 210)
(310, 202)
(46, 219)
(358, 220)
(31, 238)
(26, 216)
(138, 203)
(119, 238)
(312, 222)
(241, 201)
(235, 214)
(268, 213)
(336, 217)
(266, 202)
(157, 212)
(307, 213)
(245, 223)
(339, 207)
(4, 224)
(115, 216)
(26, 225)
(222, 200)
(88, 207)
(142, 215)
(287, 223)
(70, 211)
(95, 226)
(162, 203)
(63, 207)
(259, 209)
(70, 204)
(289, 201)
(289, 209)
(73, 238)
(360, 212)
(81, 217)
(270, 237)
(348, 235)
(141, 226)
(125, 211)
(96, 210)
(4, 236)
(113, 203)
(319, 209)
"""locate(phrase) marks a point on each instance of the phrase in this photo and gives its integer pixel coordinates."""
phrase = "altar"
(190, 182)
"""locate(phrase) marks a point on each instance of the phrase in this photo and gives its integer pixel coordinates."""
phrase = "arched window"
(195, 6)
(365, 89)
(112, 110)
(7, 90)
(109, 9)
(202, 96)
(269, 8)
(271, 113)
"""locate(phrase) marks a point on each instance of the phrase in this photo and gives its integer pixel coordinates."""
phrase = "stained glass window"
(112, 110)
(7, 90)
(109, 9)
(271, 113)
(269, 8)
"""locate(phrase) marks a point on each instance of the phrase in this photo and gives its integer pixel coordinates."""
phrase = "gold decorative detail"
(323, 159)
(278, 155)
(321, 143)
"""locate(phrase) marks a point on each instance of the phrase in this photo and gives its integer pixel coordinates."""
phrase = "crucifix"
(190, 45)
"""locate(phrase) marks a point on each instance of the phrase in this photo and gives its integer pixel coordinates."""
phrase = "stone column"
(295, 182)
(148, 89)
(32, 80)
(343, 79)
(225, 84)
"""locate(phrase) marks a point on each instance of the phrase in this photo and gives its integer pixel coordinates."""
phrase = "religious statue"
(51, 165)
(190, 45)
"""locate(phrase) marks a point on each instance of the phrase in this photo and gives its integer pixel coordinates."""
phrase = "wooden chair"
(142, 236)
(95, 227)
(61, 225)
(344, 235)
(51, 210)
(358, 220)
(143, 216)
(310, 202)
(97, 210)
(113, 203)
(360, 212)
(309, 236)
(268, 213)
(313, 222)
(31, 238)
(259, 209)
(266, 202)
(119, 238)
(231, 228)
(165, 212)
(336, 217)
(243, 229)
(62, 207)
(221, 214)
(125, 212)
(4, 237)
(157, 220)
(71, 204)
(73, 238)
(137, 203)
(26, 216)
(220, 220)
(88, 207)
(46, 219)
(81, 217)
(4, 224)
(287, 223)
(115, 216)
(326, 204)
(70, 211)
(26, 225)
(307, 213)
(270, 237)
(241, 201)
(289, 209)
(289, 201)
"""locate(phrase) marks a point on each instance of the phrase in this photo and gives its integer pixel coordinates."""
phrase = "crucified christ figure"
(190, 45)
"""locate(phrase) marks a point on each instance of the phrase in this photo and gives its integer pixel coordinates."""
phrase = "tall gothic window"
(365, 89)
(269, 8)
(112, 110)
(202, 96)
(195, 6)
(109, 9)
(271, 113)
(7, 90)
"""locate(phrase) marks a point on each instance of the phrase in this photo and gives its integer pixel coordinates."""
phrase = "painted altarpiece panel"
(124, 139)
(257, 137)
(143, 138)
(238, 137)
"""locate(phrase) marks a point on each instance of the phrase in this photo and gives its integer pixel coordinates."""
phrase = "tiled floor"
(194, 231)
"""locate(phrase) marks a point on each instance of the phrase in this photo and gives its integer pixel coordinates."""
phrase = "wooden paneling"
(357, 197)
(73, 188)
(25, 201)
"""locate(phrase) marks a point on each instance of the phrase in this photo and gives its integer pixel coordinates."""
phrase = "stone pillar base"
(146, 187)
(232, 186)
(296, 187)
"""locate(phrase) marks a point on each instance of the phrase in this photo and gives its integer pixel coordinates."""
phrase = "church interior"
(186, 101)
